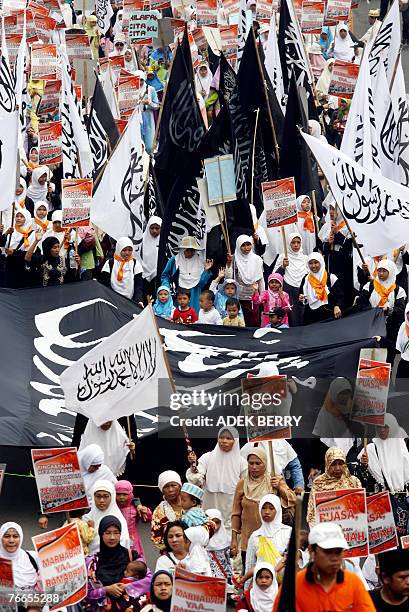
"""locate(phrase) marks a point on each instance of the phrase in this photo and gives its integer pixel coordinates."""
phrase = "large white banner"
(377, 208)
(9, 128)
(121, 375)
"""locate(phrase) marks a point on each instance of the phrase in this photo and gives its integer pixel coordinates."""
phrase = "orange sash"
(320, 287)
(338, 227)
(308, 220)
(407, 330)
(121, 267)
(42, 224)
(383, 292)
(25, 234)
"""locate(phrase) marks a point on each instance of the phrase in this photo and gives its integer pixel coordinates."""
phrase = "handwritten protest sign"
(206, 12)
(143, 26)
(76, 202)
(266, 404)
(346, 507)
(381, 524)
(59, 481)
(205, 592)
(337, 10)
(49, 138)
(280, 202)
(62, 565)
(50, 100)
(221, 181)
(312, 16)
(371, 392)
(78, 46)
(2, 472)
(6, 584)
(343, 79)
(44, 61)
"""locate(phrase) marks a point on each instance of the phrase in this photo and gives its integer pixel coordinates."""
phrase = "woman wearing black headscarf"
(54, 269)
(106, 570)
(161, 592)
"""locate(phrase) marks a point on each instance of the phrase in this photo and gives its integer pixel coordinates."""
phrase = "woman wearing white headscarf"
(117, 29)
(169, 509)
(122, 272)
(320, 292)
(247, 270)
(149, 104)
(203, 79)
(343, 45)
(218, 548)
(40, 216)
(197, 560)
(24, 566)
(38, 188)
(218, 472)
(92, 465)
(262, 598)
(387, 456)
(323, 82)
(293, 268)
(113, 441)
(305, 223)
(17, 241)
(150, 250)
(103, 503)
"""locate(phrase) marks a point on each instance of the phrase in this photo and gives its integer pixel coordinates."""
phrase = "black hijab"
(162, 604)
(111, 562)
(47, 245)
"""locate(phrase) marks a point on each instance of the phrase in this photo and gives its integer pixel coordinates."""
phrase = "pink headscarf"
(130, 514)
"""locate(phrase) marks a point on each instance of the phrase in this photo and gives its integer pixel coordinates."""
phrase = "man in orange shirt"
(324, 586)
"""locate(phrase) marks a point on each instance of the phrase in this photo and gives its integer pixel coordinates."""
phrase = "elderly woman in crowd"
(169, 509)
(91, 460)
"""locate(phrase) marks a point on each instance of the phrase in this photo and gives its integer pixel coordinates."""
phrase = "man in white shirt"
(375, 24)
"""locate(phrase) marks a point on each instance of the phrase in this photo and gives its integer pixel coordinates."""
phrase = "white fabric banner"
(387, 43)
(121, 375)
(9, 128)
(104, 12)
(376, 208)
(272, 63)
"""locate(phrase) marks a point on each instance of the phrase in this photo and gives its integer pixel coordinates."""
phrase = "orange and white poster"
(78, 46)
(62, 566)
(371, 392)
(76, 202)
(128, 95)
(230, 7)
(49, 139)
(381, 524)
(44, 61)
(343, 79)
(6, 585)
(13, 44)
(337, 10)
(191, 591)
(38, 8)
(129, 7)
(404, 541)
(59, 482)
(229, 37)
(298, 9)
(12, 6)
(280, 202)
(50, 100)
(45, 26)
(31, 32)
(206, 11)
(312, 16)
(264, 10)
(347, 508)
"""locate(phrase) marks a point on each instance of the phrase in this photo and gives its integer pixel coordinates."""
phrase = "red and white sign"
(49, 138)
(280, 202)
(76, 202)
(44, 61)
(343, 79)
(381, 524)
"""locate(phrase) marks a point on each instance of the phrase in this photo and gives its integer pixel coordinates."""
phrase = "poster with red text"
(128, 95)
(206, 11)
(49, 139)
(347, 508)
(62, 565)
(13, 44)
(229, 37)
(50, 100)
(337, 10)
(78, 46)
(343, 79)
(44, 61)
(264, 10)
(312, 16)
(45, 26)
(76, 202)
(265, 400)
(371, 392)
(192, 591)
(280, 202)
(58, 476)
(381, 524)
(6, 584)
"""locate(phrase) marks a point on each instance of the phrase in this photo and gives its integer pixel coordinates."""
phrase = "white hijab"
(260, 599)
(203, 83)
(20, 198)
(374, 298)
(297, 263)
(220, 540)
(190, 270)
(389, 459)
(325, 78)
(269, 530)
(150, 249)
(97, 515)
(343, 47)
(309, 292)
(325, 230)
(112, 443)
(402, 341)
(223, 469)
(93, 455)
(197, 560)
(333, 430)
(36, 191)
(250, 266)
(17, 237)
(125, 286)
(24, 574)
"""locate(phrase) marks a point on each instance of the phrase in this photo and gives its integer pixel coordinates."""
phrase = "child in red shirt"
(184, 313)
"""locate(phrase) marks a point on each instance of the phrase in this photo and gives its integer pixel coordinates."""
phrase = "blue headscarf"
(163, 309)
(325, 44)
(221, 298)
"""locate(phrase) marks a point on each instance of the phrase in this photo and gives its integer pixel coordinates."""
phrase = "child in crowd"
(190, 499)
(276, 318)
(224, 291)
(261, 595)
(184, 313)
(218, 548)
(133, 511)
(163, 306)
(233, 318)
(273, 297)
(135, 570)
(86, 529)
(208, 313)
(42, 521)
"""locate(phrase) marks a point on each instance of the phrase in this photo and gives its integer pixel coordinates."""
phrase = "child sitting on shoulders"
(276, 318)
(208, 313)
(190, 499)
(86, 529)
(183, 313)
(233, 318)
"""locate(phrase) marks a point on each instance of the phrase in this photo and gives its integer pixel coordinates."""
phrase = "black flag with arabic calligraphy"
(102, 130)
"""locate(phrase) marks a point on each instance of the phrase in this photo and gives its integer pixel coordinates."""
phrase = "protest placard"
(31, 32)
(206, 13)
(229, 38)
(6, 585)
(404, 541)
(347, 508)
(337, 10)
(49, 140)
(10, 6)
(194, 590)
(343, 79)
(381, 524)
(267, 402)
(264, 10)
(76, 202)
(371, 392)
(45, 26)
(200, 39)
(62, 566)
(13, 44)
(143, 27)
(59, 482)
(159, 5)
(38, 8)
(44, 61)
(312, 16)
(221, 179)
(230, 7)
(280, 202)
(50, 99)
(78, 46)
(128, 95)
(121, 125)
(85, 75)
(129, 7)
(2, 472)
